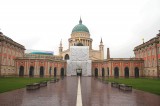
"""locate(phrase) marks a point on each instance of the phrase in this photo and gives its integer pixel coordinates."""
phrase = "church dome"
(80, 27)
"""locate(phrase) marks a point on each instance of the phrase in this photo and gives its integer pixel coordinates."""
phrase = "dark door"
(31, 71)
(55, 71)
(79, 72)
(136, 71)
(62, 71)
(21, 71)
(96, 72)
(116, 72)
(103, 72)
(126, 72)
(41, 71)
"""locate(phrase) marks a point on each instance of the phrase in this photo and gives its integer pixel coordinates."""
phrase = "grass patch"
(12, 83)
(145, 84)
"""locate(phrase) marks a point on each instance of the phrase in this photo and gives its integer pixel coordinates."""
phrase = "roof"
(80, 27)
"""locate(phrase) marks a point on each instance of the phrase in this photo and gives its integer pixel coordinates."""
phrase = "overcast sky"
(41, 24)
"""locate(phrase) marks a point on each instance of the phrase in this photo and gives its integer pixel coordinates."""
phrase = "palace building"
(150, 52)
(79, 59)
(9, 50)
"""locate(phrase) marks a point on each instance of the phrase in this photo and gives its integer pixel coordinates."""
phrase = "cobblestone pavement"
(62, 93)
(95, 93)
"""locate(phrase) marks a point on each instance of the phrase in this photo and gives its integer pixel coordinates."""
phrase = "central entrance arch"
(79, 72)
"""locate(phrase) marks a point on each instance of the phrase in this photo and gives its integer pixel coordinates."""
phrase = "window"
(149, 52)
(152, 51)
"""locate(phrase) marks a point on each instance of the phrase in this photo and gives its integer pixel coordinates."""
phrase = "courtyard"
(64, 93)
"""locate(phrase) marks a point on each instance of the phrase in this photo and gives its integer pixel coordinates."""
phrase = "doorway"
(116, 72)
(79, 72)
(96, 72)
(126, 72)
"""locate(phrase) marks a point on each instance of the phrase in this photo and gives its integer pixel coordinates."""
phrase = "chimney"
(108, 53)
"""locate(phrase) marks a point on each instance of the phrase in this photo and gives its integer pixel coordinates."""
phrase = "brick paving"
(64, 93)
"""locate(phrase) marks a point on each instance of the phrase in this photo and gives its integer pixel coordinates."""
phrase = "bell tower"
(101, 49)
(60, 47)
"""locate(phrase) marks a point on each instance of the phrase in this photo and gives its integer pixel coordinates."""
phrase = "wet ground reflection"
(95, 93)
(62, 93)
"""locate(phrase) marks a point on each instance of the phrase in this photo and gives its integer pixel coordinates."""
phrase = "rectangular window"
(153, 52)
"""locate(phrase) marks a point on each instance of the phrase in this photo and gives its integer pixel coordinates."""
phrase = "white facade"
(79, 60)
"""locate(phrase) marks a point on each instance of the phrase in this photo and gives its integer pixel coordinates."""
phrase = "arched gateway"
(31, 71)
(116, 72)
(21, 71)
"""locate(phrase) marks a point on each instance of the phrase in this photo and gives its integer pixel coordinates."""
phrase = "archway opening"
(108, 71)
(79, 44)
(126, 72)
(103, 72)
(50, 71)
(116, 72)
(62, 72)
(55, 71)
(136, 72)
(79, 72)
(21, 71)
(41, 71)
(31, 71)
(96, 72)
(66, 57)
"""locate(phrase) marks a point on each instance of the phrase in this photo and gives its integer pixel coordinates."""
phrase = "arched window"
(66, 57)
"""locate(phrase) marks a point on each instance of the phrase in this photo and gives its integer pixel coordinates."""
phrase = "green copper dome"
(80, 27)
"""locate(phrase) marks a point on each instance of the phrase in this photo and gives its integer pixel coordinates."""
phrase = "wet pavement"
(96, 93)
(64, 93)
